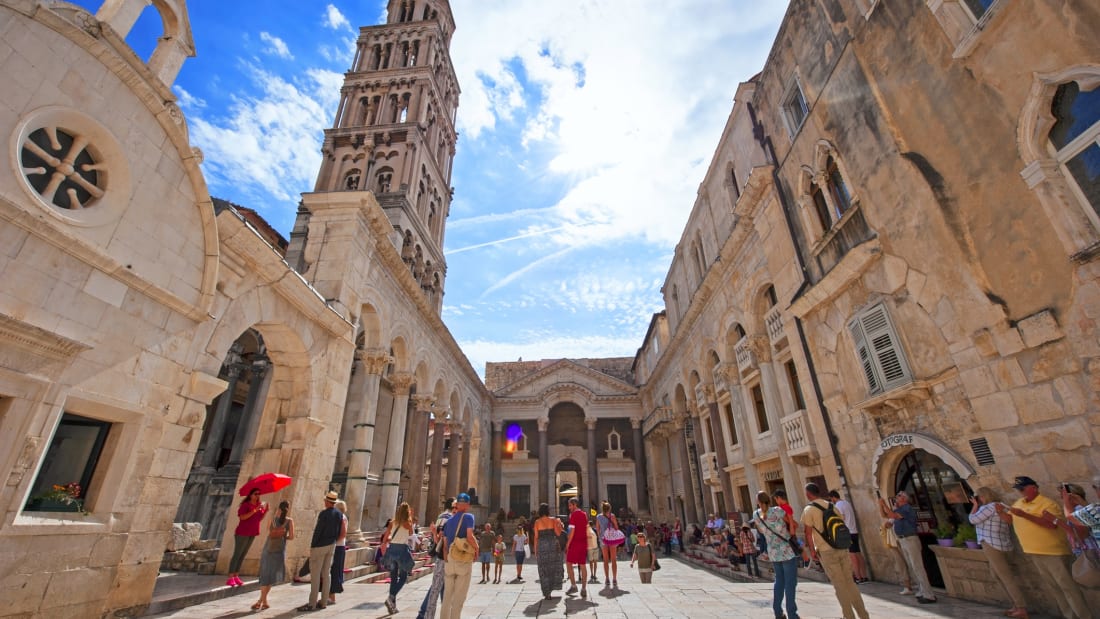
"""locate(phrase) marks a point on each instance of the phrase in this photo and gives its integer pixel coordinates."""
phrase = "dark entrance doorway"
(939, 497)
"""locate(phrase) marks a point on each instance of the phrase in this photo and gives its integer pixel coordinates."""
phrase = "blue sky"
(585, 128)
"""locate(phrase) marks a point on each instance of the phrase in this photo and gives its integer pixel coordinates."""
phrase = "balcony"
(799, 439)
(774, 321)
(746, 358)
(708, 468)
(655, 419)
(703, 395)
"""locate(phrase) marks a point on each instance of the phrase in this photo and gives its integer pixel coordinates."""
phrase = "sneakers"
(391, 606)
(926, 600)
(906, 591)
(594, 580)
(572, 590)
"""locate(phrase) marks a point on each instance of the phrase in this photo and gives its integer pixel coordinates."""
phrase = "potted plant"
(945, 534)
(966, 535)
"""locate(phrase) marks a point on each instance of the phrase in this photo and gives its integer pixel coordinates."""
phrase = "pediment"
(569, 376)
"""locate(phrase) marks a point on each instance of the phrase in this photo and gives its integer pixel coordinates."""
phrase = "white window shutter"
(885, 348)
(874, 385)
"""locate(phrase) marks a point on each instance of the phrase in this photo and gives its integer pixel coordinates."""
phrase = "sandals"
(257, 606)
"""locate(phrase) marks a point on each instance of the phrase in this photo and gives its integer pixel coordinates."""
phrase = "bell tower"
(394, 135)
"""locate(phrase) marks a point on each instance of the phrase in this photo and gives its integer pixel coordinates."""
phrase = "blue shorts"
(486, 557)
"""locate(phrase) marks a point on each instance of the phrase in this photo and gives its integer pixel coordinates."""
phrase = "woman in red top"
(251, 513)
(576, 548)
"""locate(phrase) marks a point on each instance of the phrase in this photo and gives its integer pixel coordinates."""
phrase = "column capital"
(402, 382)
(498, 425)
(635, 423)
(590, 423)
(373, 360)
(423, 403)
(761, 348)
(543, 423)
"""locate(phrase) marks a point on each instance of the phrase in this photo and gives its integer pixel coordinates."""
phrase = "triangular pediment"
(566, 374)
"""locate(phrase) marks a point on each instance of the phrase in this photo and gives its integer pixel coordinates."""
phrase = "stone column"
(544, 463)
(685, 476)
(741, 401)
(641, 475)
(395, 441)
(259, 380)
(494, 471)
(773, 404)
(435, 473)
(721, 453)
(464, 468)
(213, 446)
(417, 445)
(371, 363)
(454, 459)
(593, 483)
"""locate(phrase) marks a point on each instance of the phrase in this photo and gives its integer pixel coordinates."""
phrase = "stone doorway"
(568, 477)
(939, 496)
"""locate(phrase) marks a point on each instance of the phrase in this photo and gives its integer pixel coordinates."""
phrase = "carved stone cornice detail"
(26, 348)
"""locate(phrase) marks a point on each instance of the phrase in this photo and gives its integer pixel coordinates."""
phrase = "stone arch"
(893, 448)
(567, 392)
(175, 44)
(1060, 198)
(370, 326)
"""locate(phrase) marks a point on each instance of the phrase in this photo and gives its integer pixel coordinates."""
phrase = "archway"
(935, 477)
(229, 430)
(568, 481)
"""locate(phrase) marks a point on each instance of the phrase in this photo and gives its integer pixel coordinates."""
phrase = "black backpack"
(835, 533)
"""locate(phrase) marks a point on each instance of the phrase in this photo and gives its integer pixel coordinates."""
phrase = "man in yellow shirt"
(1035, 520)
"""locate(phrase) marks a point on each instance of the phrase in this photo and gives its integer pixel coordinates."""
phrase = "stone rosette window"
(71, 166)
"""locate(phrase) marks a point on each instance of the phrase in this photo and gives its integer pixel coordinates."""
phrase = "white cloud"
(334, 19)
(632, 100)
(542, 345)
(276, 46)
(187, 100)
(268, 142)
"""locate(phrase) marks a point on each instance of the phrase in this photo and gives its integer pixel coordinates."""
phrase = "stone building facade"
(566, 428)
(159, 348)
(911, 191)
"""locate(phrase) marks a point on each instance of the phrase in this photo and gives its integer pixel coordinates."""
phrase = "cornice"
(559, 366)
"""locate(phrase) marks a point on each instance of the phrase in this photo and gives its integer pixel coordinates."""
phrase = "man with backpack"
(828, 541)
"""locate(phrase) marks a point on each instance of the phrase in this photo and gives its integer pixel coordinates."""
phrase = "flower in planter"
(67, 494)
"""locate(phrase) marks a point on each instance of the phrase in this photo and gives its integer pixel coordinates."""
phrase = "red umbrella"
(266, 484)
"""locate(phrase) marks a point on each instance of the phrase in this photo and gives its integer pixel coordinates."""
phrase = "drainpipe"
(766, 144)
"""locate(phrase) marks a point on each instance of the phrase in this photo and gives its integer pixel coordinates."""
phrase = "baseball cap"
(1022, 481)
(462, 498)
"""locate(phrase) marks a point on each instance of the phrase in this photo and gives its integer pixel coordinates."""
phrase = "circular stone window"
(71, 165)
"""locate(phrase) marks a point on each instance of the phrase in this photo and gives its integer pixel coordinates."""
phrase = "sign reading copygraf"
(896, 440)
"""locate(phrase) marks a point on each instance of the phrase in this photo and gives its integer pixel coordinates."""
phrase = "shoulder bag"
(460, 550)
(1086, 567)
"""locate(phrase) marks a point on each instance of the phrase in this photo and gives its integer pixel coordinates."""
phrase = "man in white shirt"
(844, 508)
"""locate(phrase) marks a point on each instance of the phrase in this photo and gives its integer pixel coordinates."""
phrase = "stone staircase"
(707, 558)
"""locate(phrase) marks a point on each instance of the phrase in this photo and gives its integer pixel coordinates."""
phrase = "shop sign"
(773, 475)
(896, 440)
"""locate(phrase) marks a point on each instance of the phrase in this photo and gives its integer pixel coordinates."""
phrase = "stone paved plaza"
(679, 590)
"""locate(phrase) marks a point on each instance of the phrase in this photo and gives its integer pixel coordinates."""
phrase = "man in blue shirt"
(905, 528)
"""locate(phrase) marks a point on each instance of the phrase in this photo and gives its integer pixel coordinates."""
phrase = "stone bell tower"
(394, 135)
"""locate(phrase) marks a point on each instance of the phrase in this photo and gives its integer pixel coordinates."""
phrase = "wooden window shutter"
(874, 385)
(882, 348)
